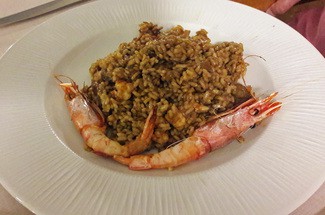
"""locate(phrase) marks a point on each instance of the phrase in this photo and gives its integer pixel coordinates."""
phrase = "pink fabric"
(311, 24)
(281, 6)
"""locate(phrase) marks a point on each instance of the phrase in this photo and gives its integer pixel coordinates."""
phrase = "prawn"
(89, 121)
(216, 133)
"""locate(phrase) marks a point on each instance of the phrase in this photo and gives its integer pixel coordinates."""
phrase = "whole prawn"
(216, 133)
(89, 121)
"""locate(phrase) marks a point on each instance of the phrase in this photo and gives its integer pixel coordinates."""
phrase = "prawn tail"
(122, 160)
(142, 142)
(137, 162)
(149, 125)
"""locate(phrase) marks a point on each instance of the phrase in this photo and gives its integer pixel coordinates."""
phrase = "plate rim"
(53, 19)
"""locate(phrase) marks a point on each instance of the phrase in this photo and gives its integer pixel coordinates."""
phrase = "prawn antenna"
(254, 55)
(175, 143)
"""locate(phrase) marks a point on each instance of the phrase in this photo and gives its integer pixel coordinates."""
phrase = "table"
(10, 34)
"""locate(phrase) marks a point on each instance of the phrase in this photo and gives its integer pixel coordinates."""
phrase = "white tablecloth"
(10, 34)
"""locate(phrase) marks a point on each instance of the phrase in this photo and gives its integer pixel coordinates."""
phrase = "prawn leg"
(142, 142)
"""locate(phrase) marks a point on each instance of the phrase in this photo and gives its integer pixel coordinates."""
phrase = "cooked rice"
(186, 77)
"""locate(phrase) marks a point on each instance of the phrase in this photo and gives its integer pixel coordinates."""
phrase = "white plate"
(42, 161)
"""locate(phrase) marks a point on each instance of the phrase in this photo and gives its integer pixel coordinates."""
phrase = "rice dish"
(187, 78)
